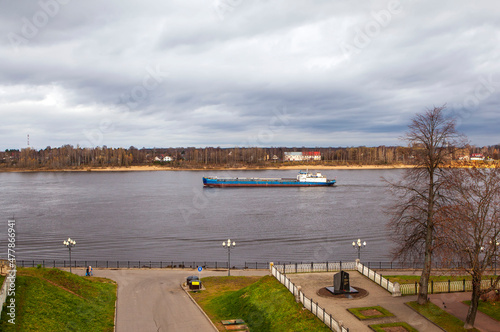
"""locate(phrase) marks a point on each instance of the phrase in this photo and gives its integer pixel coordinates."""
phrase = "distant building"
(302, 156)
(476, 156)
(164, 158)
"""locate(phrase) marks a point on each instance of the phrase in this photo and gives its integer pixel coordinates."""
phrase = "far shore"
(166, 168)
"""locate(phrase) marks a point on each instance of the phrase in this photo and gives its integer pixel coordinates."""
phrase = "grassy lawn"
(262, 302)
(54, 300)
(439, 317)
(370, 312)
(491, 309)
(402, 279)
(381, 327)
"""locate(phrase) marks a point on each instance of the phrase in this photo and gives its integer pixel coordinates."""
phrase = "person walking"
(90, 270)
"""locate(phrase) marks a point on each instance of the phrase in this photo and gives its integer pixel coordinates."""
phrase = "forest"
(70, 157)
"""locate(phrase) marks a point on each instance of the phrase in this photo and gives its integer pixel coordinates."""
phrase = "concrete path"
(153, 300)
(312, 282)
(452, 303)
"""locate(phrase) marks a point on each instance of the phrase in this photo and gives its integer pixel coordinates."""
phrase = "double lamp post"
(69, 243)
(228, 246)
(358, 245)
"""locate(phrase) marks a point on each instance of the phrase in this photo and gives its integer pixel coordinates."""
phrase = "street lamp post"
(70, 244)
(358, 245)
(228, 245)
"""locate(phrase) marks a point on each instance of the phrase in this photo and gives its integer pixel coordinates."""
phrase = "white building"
(301, 156)
(476, 156)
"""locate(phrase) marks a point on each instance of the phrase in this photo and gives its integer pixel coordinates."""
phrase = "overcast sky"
(244, 73)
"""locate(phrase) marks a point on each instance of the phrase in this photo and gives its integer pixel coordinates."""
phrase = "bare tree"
(432, 139)
(471, 225)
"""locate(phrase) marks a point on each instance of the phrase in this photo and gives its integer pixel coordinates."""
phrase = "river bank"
(146, 168)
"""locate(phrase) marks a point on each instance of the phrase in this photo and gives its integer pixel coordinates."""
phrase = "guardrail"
(308, 303)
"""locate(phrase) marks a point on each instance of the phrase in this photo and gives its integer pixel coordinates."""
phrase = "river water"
(168, 215)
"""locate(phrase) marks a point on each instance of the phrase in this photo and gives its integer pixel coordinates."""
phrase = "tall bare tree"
(471, 225)
(432, 139)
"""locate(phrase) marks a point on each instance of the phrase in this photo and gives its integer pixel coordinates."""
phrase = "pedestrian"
(87, 271)
(90, 268)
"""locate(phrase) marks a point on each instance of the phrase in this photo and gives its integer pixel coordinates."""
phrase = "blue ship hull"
(244, 182)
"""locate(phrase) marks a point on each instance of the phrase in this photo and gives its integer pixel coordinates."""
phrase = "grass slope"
(54, 300)
(264, 305)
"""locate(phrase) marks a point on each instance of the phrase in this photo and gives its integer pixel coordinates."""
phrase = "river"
(168, 215)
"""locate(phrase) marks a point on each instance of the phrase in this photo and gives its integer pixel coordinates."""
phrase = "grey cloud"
(224, 73)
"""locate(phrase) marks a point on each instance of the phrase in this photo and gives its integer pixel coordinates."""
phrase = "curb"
(203, 312)
(116, 307)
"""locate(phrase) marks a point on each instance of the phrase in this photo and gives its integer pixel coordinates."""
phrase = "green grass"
(380, 327)
(402, 279)
(54, 300)
(491, 309)
(382, 312)
(440, 317)
(263, 303)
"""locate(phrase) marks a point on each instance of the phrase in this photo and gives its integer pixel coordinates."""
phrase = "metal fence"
(446, 286)
(305, 266)
(308, 303)
(140, 264)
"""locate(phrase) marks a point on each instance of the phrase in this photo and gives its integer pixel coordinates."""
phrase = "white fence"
(3, 293)
(316, 267)
(392, 288)
(5, 286)
(318, 311)
(446, 286)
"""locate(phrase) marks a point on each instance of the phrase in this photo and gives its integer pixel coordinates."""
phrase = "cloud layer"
(233, 72)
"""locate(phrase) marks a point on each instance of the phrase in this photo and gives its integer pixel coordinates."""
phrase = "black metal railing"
(381, 265)
(117, 264)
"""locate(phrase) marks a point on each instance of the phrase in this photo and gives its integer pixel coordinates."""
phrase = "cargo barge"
(304, 179)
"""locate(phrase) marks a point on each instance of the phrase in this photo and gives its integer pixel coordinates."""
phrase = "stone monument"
(341, 284)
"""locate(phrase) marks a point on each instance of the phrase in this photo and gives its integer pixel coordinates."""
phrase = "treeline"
(68, 156)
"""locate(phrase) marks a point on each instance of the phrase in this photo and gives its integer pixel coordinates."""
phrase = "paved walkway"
(153, 300)
(312, 282)
(452, 303)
